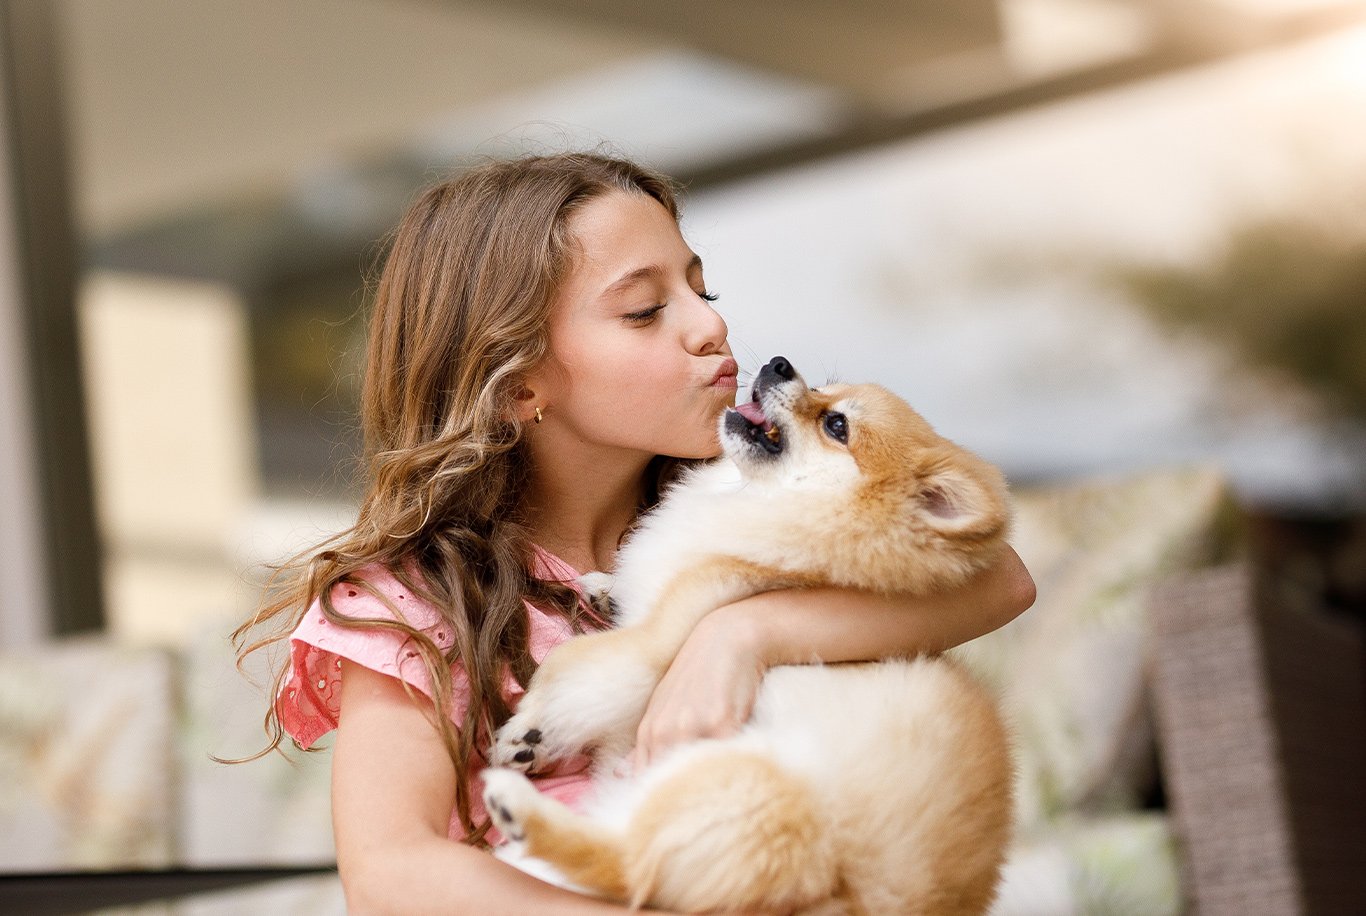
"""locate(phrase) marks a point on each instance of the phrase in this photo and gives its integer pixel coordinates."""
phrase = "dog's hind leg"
(731, 830)
(584, 851)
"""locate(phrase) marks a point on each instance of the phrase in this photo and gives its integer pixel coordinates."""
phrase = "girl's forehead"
(622, 232)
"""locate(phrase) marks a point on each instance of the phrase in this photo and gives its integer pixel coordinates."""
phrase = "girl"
(543, 351)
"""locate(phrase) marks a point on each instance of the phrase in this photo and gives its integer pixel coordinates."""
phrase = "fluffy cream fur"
(869, 788)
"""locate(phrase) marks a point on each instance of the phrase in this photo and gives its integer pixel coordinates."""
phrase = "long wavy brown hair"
(461, 316)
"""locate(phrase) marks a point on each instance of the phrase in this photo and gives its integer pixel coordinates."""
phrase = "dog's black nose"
(781, 368)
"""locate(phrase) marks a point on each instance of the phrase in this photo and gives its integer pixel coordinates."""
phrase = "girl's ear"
(525, 409)
(540, 387)
(958, 503)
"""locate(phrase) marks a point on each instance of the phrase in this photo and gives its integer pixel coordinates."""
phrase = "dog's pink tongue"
(752, 412)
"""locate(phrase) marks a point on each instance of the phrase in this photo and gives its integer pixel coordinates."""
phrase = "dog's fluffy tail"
(730, 830)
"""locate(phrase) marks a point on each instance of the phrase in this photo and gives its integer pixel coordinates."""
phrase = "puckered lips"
(757, 427)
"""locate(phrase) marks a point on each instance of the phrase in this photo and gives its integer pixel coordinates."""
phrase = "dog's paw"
(597, 590)
(509, 798)
(519, 745)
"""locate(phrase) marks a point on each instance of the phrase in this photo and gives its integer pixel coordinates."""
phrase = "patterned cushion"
(85, 757)
(271, 811)
(1119, 865)
(1071, 670)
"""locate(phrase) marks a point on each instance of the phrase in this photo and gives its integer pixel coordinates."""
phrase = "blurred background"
(1086, 238)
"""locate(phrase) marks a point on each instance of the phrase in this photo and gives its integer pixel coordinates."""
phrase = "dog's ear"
(961, 502)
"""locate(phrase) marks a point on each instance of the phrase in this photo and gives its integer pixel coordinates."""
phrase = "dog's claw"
(597, 587)
(509, 798)
(520, 748)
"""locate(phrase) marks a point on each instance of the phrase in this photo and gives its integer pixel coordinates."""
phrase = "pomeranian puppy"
(871, 788)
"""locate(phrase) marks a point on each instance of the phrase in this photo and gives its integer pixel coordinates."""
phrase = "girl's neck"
(579, 506)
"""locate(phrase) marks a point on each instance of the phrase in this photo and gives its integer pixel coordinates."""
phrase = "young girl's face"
(639, 358)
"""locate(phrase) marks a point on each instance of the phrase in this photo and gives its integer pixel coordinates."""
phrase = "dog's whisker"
(751, 354)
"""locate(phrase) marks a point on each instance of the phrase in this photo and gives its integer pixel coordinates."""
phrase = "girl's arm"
(393, 789)
(709, 689)
(843, 625)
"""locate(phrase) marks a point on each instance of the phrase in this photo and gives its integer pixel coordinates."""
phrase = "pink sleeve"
(309, 700)
(308, 703)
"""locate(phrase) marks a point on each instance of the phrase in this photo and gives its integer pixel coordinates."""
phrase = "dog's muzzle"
(748, 422)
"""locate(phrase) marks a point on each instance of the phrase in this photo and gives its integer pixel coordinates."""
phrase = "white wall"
(960, 270)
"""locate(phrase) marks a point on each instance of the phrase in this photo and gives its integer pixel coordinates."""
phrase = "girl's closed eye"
(647, 315)
(644, 316)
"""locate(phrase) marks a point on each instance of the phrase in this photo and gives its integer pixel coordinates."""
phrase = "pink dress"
(309, 698)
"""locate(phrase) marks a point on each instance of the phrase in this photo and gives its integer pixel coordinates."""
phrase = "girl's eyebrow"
(641, 273)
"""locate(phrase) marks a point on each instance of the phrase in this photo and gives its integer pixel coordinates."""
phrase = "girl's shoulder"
(376, 592)
(308, 701)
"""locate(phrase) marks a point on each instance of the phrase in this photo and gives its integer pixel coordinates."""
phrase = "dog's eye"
(837, 427)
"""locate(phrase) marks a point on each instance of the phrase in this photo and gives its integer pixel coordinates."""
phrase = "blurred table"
(52, 893)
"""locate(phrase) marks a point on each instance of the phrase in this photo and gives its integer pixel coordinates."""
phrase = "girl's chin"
(702, 456)
(703, 448)
(704, 443)
(711, 449)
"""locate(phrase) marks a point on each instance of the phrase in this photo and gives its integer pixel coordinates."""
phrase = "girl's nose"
(707, 330)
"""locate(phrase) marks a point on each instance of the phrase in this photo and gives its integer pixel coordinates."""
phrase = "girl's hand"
(708, 691)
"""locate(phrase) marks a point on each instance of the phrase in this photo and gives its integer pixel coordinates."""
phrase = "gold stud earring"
(539, 418)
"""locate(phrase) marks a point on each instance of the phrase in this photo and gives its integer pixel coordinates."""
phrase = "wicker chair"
(1261, 713)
